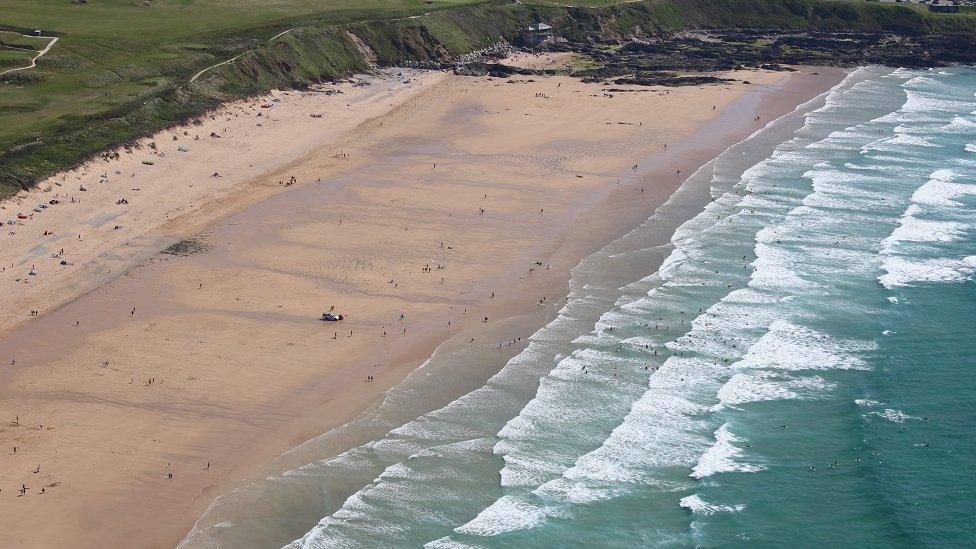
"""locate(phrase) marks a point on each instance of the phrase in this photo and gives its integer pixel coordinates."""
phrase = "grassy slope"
(17, 50)
(120, 70)
(113, 51)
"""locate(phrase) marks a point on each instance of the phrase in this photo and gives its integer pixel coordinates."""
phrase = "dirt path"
(272, 39)
(232, 59)
(33, 62)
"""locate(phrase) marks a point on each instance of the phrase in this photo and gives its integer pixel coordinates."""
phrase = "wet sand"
(500, 188)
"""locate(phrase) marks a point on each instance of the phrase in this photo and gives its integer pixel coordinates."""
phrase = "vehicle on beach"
(329, 317)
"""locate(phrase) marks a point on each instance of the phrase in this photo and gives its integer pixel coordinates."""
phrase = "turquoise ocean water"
(798, 371)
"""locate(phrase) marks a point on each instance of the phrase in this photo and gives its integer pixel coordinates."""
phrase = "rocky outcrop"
(672, 80)
(719, 50)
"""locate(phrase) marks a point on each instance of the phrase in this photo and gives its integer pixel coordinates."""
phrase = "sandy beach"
(422, 206)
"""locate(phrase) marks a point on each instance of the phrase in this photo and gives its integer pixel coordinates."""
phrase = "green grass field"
(10, 58)
(16, 50)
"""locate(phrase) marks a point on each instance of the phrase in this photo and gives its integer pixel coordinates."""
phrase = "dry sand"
(178, 194)
(500, 188)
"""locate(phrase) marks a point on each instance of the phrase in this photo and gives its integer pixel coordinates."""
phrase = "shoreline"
(272, 488)
(302, 410)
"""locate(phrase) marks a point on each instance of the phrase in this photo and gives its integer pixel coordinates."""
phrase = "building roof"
(539, 27)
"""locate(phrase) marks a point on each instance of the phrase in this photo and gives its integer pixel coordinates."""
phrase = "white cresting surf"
(772, 381)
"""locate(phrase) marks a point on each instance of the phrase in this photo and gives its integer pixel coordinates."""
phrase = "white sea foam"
(909, 139)
(506, 514)
(942, 190)
(759, 386)
(892, 415)
(659, 431)
(919, 102)
(670, 264)
(912, 228)
(901, 73)
(774, 271)
(959, 125)
(589, 387)
(520, 470)
(448, 543)
(699, 507)
(722, 456)
(902, 271)
(791, 347)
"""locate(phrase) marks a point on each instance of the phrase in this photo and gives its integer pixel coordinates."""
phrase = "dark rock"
(670, 80)
(642, 62)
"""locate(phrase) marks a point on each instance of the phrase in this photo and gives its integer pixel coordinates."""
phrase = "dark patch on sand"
(185, 247)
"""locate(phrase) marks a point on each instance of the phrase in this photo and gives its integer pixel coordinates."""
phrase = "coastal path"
(33, 61)
(232, 59)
